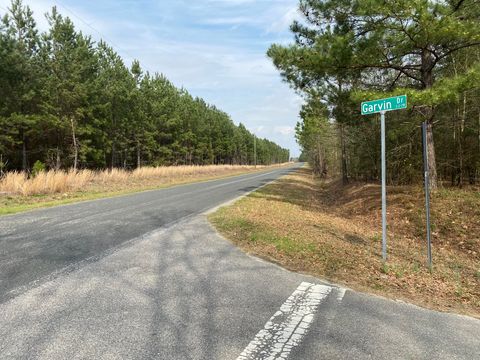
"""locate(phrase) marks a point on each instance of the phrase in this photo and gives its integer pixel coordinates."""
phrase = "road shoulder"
(303, 225)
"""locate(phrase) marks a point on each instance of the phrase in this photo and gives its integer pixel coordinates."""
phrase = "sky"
(214, 48)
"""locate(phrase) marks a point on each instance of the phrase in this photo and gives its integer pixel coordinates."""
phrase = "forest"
(348, 51)
(68, 102)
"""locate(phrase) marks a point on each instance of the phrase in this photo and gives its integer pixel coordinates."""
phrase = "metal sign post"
(384, 189)
(382, 106)
(427, 192)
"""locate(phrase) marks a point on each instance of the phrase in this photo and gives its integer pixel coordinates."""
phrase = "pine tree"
(71, 63)
(389, 44)
(69, 102)
(22, 73)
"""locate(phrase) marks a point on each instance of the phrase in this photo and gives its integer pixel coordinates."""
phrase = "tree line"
(348, 51)
(70, 102)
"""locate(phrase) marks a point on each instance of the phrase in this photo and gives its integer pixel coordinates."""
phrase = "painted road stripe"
(287, 327)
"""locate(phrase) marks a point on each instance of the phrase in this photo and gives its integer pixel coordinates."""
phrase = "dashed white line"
(287, 327)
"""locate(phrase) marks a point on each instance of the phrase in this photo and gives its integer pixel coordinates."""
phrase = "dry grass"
(334, 232)
(19, 192)
(52, 182)
(47, 182)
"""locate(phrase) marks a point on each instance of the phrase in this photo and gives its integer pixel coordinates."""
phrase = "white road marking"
(341, 294)
(287, 327)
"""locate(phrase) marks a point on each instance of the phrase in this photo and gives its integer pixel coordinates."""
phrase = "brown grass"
(334, 232)
(48, 182)
(19, 192)
(51, 182)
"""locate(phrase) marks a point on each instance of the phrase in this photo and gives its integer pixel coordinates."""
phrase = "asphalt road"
(146, 277)
(40, 243)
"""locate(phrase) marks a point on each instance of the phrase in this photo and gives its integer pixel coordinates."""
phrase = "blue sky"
(214, 48)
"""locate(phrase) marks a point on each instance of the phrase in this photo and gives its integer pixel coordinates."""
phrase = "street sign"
(383, 105)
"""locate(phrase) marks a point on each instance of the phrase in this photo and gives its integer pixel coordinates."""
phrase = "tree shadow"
(190, 310)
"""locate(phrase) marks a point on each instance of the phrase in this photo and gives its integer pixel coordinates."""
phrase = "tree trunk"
(112, 160)
(139, 160)
(2, 165)
(477, 161)
(460, 140)
(114, 140)
(453, 169)
(325, 165)
(75, 147)
(24, 151)
(432, 169)
(319, 162)
(427, 79)
(58, 161)
(344, 155)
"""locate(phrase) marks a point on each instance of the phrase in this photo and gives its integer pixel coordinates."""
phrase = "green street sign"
(383, 105)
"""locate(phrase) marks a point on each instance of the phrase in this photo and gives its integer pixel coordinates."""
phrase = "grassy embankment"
(334, 232)
(18, 192)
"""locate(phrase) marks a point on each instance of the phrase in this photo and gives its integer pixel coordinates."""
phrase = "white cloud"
(238, 20)
(271, 16)
(284, 22)
(284, 130)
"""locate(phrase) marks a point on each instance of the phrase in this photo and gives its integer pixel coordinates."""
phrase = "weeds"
(385, 269)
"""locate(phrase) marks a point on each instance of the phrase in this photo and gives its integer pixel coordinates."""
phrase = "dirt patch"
(332, 231)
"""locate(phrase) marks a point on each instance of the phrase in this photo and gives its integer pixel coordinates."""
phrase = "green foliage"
(38, 167)
(316, 135)
(349, 51)
(67, 101)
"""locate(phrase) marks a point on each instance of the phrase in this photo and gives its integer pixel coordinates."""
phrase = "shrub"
(38, 167)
